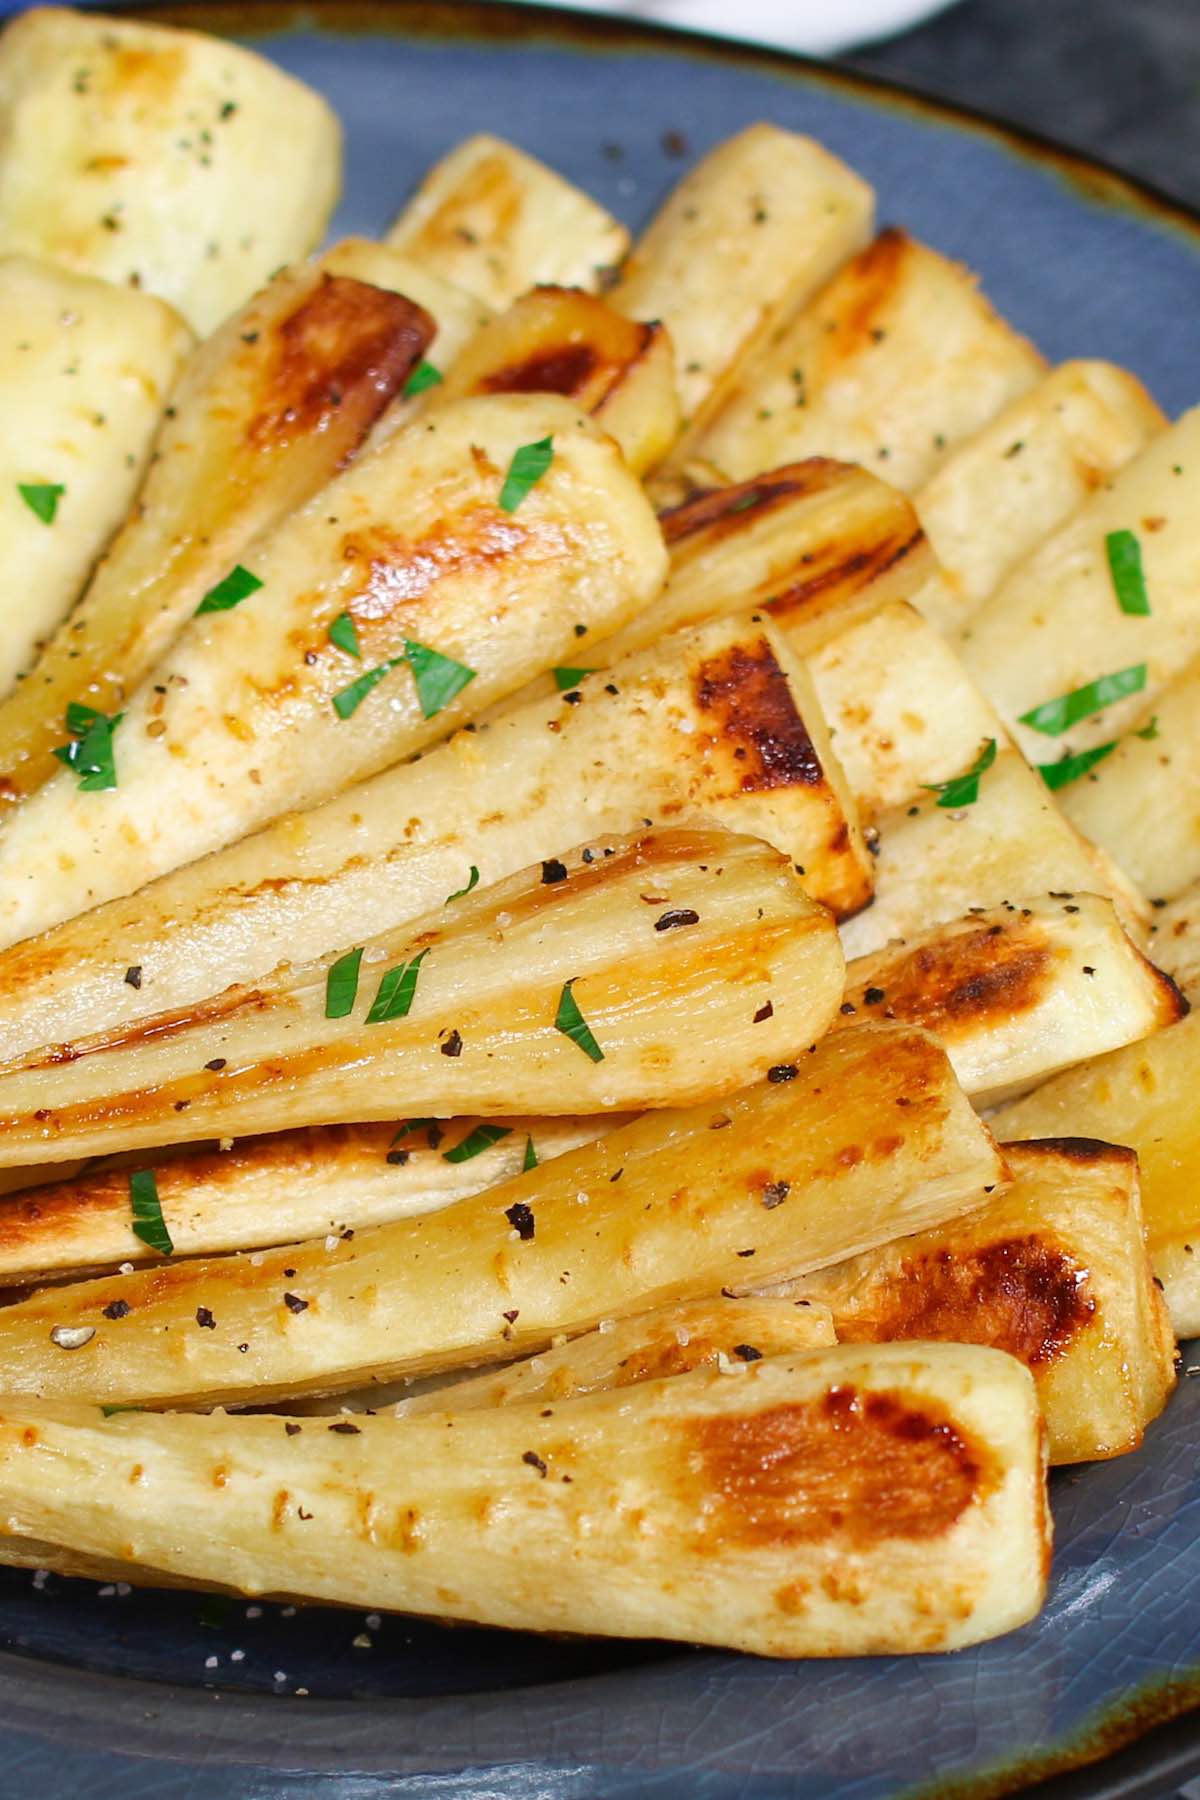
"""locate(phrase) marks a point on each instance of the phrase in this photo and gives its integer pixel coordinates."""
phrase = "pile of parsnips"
(535, 828)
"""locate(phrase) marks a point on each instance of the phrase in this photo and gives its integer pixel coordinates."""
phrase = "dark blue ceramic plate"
(110, 1694)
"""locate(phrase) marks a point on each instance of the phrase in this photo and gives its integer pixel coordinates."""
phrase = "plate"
(125, 1694)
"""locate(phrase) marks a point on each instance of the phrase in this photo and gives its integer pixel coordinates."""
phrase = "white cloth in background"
(815, 26)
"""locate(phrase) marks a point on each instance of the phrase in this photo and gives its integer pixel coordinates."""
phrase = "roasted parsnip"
(456, 314)
(1023, 475)
(870, 1139)
(749, 235)
(1054, 1271)
(162, 159)
(1143, 1096)
(1017, 992)
(266, 412)
(720, 725)
(85, 369)
(660, 969)
(257, 710)
(1175, 939)
(895, 363)
(899, 1504)
(1062, 620)
(495, 221)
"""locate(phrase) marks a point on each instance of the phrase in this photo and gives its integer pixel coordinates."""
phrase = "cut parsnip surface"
(719, 726)
(936, 863)
(1023, 476)
(85, 370)
(265, 413)
(902, 1507)
(1175, 939)
(1054, 1271)
(562, 341)
(1017, 992)
(411, 541)
(893, 364)
(1055, 625)
(749, 235)
(274, 1190)
(152, 157)
(1143, 1096)
(677, 966)
(495, 221)
(869, 1140)
(1142, 802)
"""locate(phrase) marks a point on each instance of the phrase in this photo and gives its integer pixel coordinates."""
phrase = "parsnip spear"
(869, 1139)
(1175, 939)
(845, 1501)
(450, 599)
(1054, 1271)
(646, 972)
(266, 411)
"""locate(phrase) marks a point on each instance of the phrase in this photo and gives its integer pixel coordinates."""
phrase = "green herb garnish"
(479, 1140)
(460, 893)
(1150, 731)
(1054, 717)
(148, 1221)
(439, 678)
(413, 1125)
(569, 678)
(1124, 554)
(42, 498)
(1070, 768)
(531, 1157)
(395, 997)
(341, 985)
(90, 751)
(110, 1412)
(963, 790)
(526, 469)
(425, 375)
(237, 586)
(349, 699)
(344, 634)
(571, 1022)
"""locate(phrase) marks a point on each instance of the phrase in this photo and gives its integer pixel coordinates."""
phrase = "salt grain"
(362, 1642)
(237, 1656)
(211, 1662)
(254, 1612)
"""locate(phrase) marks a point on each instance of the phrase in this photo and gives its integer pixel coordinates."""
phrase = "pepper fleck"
(677, 916)
(775, 1193)
(782, 1072)
(205, 1319)
(520, 1217)
(553, 871)
(747, 1352)
(134, 976)
(117, 1309)
(453, 1044)
(294, 1303)
(535, 1462)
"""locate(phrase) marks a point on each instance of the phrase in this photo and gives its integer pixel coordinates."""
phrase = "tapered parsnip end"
(895, 362)
(266, 412)
(457, 314)
(650, 971)
(1018, 992)
(126, 150)
(864, 1139)
(1023, 475)
(1143, 1096)
(495, 221)
(86, 368)
(749, 235)
(264, 712)
(562, 341)
(844, 1502)
(1054, 1271)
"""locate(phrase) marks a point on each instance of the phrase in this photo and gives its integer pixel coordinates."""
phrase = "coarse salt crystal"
(224, 1143)
(254, 1612)
(607, 1325)
(237, 1656)
(211, 1662)
(682, 1338)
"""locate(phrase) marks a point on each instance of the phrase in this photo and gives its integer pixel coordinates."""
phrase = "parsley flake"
(571, 1022)
(1150, 731)
(42, 498)
(341, 985)
(460, 893)
(425, 375)
(526, 469)
(90, 752)
(963, 790)
(1060, 774)
(569, 678)
(348, 700)
(439, 678)
(1124, 554)
(237, 586)
(110, 1412)
(531, 1157)
(412, 1125)
(148, 1221)
(1054, 717)
(476, 1142)
(395, 996)
(344, 633)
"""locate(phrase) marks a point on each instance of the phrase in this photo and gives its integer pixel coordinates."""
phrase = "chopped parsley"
(1150, 731)
(395, 997)
(1124, 554)
(42, 498)
(344, 633)
(412, 1125)
(571, 1022)
(1060, 774)
(425, 375)
(460, 893)
(569, 678)
(531, 1157)
(148, 1221)
(963, 790)
(477, 1141)
(347, 700)
(526, 469)
(341, 985)
(439, 678)
(237, 586)
(110, 1412)
(90, 750)
(1054, 717)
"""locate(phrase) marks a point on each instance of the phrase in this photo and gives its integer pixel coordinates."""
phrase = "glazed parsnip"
(936, 863)
(661, 969)
(1016, 992)
(263, 711)
(85, 369)
(719, 725)
(265, 413)
(277, 1189)
(456, 314)
(895, 363)
(1142, 802)
(1143, 1096)
(1175, 938)
(872, 1139)
(1054, 1271)
(1055, 625)
(1024, 474)
(151, 156)
(904, 1509)
(749, 235)
(495, 221)
(561, 341)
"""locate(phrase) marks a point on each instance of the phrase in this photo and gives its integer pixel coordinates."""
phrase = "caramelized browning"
(555, 369)
(721, 512)
(839, 574)
(393, 570)
(747, 696)
(971, 978)
(861, 293)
